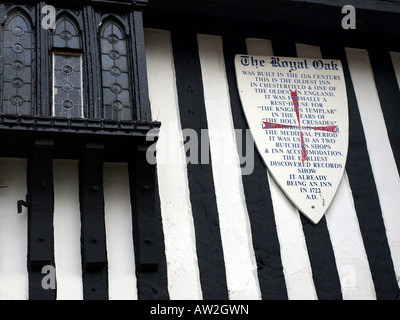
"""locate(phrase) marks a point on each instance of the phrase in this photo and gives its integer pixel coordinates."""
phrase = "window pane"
(67, 86)
(116, 89)
(17, 65)
(66, 34)
(67, 70)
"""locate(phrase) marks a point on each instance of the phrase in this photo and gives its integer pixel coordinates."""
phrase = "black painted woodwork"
(88, 16)
(17, 132)
(139, 67)
(200, 177)
(41, 138)
(93, 237)
(92, 207)
(40, 217)
(92, 139)
(151, 269)
(322, 259)
(70, 134)
(366, 200)
(389, 96)
(299, 21)
(317, 24)
(321, 16)
(146, 247)
(43, 62)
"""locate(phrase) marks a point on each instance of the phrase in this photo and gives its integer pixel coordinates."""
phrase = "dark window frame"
(119, 136)
(117, 109)
(89, 19)
(15, 70)
(73, 102)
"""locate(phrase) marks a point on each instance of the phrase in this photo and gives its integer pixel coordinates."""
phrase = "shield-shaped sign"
(297, 112)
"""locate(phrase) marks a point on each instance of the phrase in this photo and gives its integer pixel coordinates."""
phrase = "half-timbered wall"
(228, 235)
(265, 248)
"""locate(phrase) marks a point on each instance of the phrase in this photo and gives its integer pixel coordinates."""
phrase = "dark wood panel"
(93, 234)
(40, 218)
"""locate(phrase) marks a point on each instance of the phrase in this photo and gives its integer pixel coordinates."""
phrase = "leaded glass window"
(66, 34)
(115, 76)
(67, 85)
(18, 57)
(67, 70)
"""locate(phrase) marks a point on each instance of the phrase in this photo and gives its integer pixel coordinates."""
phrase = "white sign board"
(297, 112)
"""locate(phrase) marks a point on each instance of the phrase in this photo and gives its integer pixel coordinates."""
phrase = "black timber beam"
(297, 19)
(392, 6)
(137, 4)
(17, 134)
(93, 235)
(147, 228)
(258, 8)
(40, 218)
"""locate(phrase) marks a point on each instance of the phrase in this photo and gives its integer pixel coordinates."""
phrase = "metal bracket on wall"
(25, 203)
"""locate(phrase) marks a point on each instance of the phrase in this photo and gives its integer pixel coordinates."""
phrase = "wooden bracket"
(92, 207)
(40, 202)
(145, 226)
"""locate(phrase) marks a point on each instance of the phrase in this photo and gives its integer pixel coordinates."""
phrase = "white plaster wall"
(119, 237)
(241, 269)
(13, 231)
(67, 230)
(381, 156)
(344, 231)
(294, 254)
(180, 243)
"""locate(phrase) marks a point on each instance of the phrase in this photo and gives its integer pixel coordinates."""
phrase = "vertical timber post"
(93, 237)
(147, 228)
(143, 112)
(40, 218)
(43, 65)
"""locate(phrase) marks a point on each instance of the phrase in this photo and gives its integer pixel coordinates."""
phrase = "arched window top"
(18, 33)
(66, 34)
(67, 69)
(18, 23)
(111, 29)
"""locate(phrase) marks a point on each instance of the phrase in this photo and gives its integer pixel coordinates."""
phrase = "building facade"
(90, 211)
